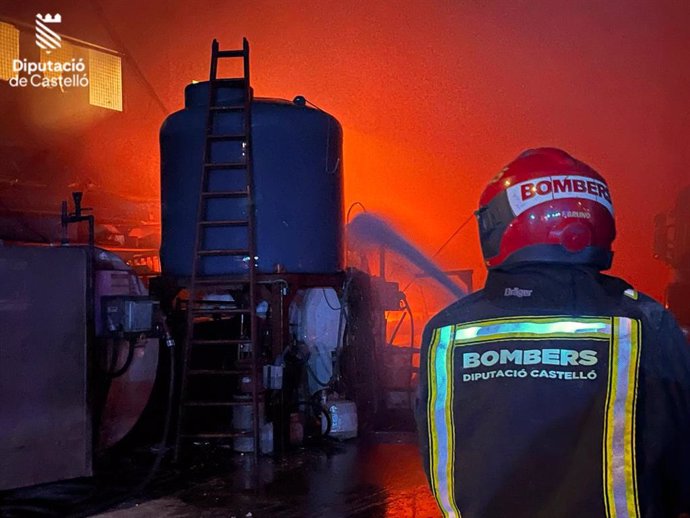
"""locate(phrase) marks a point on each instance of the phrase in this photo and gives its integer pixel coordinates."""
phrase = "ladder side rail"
(198, 245)
(251, 216)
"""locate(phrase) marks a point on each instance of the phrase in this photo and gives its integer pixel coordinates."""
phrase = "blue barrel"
(297, 158)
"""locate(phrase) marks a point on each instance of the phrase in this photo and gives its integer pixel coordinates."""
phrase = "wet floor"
(352, 479)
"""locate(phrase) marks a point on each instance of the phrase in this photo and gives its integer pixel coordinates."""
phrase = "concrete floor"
(353, 480)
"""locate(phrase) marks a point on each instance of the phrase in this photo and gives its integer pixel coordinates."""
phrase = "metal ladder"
(202, 284)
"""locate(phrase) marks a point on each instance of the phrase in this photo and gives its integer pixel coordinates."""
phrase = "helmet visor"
(493, 219)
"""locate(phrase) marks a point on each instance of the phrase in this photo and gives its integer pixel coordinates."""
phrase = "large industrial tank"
(297, 157)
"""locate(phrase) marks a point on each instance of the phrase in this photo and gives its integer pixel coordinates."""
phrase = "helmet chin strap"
(558, 255)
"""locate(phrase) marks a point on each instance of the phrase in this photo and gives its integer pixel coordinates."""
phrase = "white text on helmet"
(525, 195)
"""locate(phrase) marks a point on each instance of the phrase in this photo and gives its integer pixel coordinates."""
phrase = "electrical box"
(128, 314)
(388, 294)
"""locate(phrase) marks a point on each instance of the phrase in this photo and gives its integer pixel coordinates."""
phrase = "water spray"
(369, 229)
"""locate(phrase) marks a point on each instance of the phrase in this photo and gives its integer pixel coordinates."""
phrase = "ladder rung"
(225, 194)
(226, 136)
(218, 372)
(225, 223)
(224, 251)
(226, 165)
(228, 81)
(211, 311)
(230, 54)
(219, 403)
(200, 341)
(219, 305)
(221, 281)
(228, 108)
(219, 435)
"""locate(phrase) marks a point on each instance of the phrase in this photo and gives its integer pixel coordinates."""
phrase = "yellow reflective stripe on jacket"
(620, 473)
(533, 329)
(441, 424)
(633, 294)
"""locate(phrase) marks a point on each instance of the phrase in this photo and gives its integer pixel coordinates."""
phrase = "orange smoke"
(434, 97)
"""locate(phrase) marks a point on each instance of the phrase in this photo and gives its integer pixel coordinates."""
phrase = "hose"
(166, 423)
(329, 419)
(343, 319)
(316, 379)
(408, 312)
(162, 450)
(397, 328)
(319, 408)
(128, 361)
(349, 210)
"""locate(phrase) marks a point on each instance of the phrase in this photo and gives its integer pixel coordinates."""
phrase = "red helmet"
(546, 206)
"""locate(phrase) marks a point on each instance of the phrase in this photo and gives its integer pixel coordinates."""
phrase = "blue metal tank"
(297, 159)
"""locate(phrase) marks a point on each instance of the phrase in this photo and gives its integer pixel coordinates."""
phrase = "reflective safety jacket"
(556, 392)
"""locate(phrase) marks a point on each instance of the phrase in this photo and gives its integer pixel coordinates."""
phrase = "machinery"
(279, 343)
(79, 359)
(278, 338)
(672, 245)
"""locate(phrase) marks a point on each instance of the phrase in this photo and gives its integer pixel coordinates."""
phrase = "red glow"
(434, 98)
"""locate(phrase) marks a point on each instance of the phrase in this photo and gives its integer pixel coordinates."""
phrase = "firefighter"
(556, 391)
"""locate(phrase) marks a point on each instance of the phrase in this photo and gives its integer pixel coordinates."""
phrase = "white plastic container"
(242, 422)
(343, 419)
